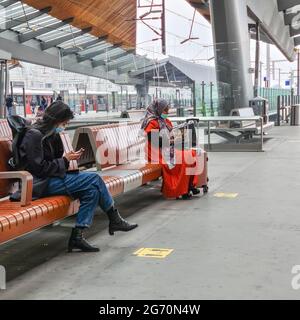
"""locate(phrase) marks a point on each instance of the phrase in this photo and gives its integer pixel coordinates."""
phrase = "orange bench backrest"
(111, 144)
(121, 140)
(5, 131)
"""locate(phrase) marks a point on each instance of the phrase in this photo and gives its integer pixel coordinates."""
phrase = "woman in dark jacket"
(41, 153)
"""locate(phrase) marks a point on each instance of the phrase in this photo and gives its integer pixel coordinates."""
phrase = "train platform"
(240, 241)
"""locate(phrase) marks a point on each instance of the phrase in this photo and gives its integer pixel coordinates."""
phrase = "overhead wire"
(180, 37)
(182, 16)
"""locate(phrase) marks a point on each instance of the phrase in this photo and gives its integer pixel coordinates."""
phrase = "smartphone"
(80, 150)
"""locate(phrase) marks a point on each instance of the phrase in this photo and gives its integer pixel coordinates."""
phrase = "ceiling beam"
(84, 46)
(138, 62)
(96, 53)
(115, 59)
(32, 53)
(8, 3)
(123, 63)
(200, 5)
(202, 8)
(20, 20)
(147, 68)
(97, 63)
(287, 4)
(57, 41)
(34, 34)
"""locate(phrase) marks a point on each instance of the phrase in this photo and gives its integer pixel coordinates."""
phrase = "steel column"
(2, 88)
(232, 51)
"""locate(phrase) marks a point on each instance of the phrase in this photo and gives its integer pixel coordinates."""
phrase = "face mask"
(164, 115)
(59, 130)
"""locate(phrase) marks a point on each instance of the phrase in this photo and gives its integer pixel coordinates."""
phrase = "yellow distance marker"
(153, 253)
(226, 195)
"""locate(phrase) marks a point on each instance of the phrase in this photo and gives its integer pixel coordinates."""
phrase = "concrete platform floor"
(242, 248)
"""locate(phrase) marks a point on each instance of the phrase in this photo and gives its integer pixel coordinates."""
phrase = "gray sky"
(178, 23)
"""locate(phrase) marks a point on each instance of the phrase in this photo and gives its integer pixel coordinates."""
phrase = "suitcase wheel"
(205, 189)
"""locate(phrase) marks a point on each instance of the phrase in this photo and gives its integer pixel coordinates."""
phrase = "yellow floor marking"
(226, 195)
(153, 253)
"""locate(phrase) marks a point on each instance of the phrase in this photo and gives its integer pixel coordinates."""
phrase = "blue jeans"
(89, 188)
(9, 111)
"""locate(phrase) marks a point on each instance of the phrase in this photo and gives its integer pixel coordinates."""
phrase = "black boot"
(195, 191)
(77, 241)
(187, 196)
(117, 223)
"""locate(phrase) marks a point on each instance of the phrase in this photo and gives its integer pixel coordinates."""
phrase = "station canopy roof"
(280, 21)
(174, 71)
(95, 38)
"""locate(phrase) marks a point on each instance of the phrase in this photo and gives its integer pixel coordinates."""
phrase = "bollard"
(295, 115)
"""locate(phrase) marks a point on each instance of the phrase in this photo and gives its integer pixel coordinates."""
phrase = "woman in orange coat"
(179, 167)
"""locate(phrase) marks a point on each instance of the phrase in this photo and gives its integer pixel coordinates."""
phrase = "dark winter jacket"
(43, 158)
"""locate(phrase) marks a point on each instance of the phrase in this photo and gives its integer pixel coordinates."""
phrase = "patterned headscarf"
(154, 111)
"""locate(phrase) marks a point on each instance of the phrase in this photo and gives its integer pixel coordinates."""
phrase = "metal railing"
(284, 105)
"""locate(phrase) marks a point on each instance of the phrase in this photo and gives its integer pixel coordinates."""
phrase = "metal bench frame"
(255, 126)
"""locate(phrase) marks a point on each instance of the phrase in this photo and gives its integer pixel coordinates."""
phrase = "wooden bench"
(19, 218)
(5, 129)
(127, 163)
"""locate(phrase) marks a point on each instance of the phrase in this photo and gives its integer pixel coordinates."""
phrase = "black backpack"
(18, 126)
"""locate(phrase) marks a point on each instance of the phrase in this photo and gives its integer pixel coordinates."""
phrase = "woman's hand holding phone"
(74, 155)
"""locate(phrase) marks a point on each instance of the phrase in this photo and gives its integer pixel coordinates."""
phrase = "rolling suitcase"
(202, 163)
(191, 142)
